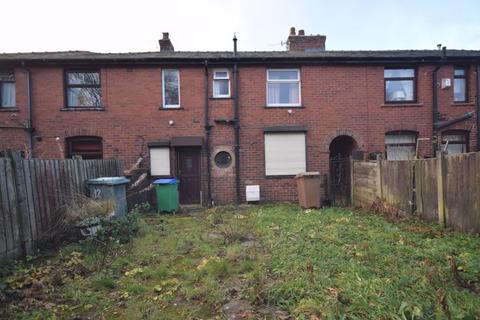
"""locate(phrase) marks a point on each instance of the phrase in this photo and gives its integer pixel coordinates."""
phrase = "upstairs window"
(400, 145)
(7, 89)
(460, 85)
(399, 85)
(283, 88)
(221, 84)
(171, 88)
(455, 142)
(83, 89)
(86, 147)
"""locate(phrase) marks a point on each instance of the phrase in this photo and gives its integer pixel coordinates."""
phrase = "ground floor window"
(285, 153)
(400, 145)
(455, 142)
(160, 161)
(85, 146)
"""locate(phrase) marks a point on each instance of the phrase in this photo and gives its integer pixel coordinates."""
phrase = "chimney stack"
(301, 42)
(165, 43)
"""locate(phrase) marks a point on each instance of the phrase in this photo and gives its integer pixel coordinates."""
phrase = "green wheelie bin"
(167, 195)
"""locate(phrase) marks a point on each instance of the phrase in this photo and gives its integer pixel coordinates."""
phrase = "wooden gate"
(339, 181)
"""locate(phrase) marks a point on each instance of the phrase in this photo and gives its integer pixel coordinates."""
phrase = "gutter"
(208, 128)
(244, 60)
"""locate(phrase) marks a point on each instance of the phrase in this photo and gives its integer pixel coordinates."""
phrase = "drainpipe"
(435, 112)
(478, 107)
(208, 128)
(29, 128)
(237, 121)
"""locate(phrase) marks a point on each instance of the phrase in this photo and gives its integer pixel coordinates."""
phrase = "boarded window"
(85, 147)
(400, 145)
(454, 142)
(285, 153)
(160, 161)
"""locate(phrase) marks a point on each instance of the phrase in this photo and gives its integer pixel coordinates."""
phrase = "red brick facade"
(336, 100)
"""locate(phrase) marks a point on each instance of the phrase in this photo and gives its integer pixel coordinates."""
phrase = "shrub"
(119, 230)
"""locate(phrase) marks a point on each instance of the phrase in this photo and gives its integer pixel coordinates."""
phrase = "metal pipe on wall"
(208, 128)
(237, 121)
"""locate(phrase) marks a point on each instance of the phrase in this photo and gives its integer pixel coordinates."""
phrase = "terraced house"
(222, 121)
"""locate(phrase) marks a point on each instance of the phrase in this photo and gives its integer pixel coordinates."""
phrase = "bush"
(119, 230)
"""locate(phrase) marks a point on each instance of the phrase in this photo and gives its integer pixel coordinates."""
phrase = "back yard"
(262, 262)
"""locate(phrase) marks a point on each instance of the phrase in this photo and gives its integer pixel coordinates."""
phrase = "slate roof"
(327, 55)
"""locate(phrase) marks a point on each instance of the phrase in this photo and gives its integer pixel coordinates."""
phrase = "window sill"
(220, 98)
(300, 106)
(170, 109)
(82, 109)
(9, 109)
(462, 104)
(400, 105)
(290, 176)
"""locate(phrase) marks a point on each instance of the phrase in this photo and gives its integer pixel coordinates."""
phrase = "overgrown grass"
(328, 264)
(335, 263)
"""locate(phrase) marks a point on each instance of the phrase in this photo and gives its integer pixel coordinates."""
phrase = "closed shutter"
(285, 154)
(160, 161)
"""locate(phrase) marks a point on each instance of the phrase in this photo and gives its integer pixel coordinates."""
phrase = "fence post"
(24, 230)
(442, 219)
(379, 178)
(352, 164)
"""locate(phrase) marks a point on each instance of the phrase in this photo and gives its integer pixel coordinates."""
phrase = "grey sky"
(122, 26)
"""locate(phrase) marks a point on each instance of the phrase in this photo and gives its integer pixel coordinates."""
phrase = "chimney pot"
(292, 31)
(165, 35)
(301, 32)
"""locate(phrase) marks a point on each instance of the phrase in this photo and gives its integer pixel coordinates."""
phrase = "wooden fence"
(446, 188)
(33, 193)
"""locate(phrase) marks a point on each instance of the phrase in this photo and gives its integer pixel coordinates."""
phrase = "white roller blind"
(284, 154)
(160, 161)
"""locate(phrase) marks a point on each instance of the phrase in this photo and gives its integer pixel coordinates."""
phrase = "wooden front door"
(188, 172)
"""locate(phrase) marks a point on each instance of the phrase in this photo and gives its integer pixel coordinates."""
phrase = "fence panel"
(397, 184)
(33, 193)
(462, 192)
(426, 189)
(365, 183)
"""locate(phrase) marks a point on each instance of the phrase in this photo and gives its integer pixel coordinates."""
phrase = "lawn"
(257, 262)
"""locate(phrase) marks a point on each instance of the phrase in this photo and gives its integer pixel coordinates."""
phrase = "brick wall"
(337, 100)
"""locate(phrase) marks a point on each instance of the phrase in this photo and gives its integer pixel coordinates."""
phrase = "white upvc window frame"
(215, 77)
(160, 172)
(171, 106)
(298, 80)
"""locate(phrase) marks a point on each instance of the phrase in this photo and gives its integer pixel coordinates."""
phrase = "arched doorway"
(341, 148)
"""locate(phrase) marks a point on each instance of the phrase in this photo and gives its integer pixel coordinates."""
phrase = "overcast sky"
(136, 25)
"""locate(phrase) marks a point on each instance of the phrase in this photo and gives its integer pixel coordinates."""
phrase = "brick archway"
(343, 132)
(74, 132)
